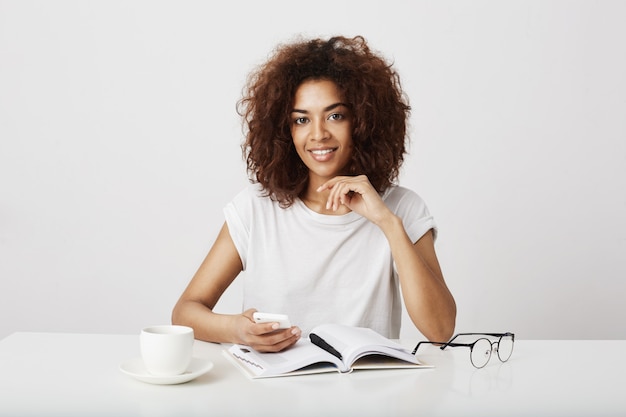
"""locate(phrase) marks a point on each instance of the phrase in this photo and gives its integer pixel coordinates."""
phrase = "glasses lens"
(505, 347)
(481, 352)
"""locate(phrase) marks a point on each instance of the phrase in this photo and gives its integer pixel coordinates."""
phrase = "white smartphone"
(281, 319)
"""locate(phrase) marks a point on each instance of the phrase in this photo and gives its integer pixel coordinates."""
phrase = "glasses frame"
(494, 344)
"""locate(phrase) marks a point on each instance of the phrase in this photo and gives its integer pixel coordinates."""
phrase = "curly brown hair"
(371, 89)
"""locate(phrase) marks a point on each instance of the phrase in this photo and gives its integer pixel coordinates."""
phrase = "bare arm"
(426, 295)
(195, 306)
(428, 300)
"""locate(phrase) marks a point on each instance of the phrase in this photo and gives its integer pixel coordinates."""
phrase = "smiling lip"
(322, 154)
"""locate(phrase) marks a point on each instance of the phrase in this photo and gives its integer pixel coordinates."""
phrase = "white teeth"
(322, 151)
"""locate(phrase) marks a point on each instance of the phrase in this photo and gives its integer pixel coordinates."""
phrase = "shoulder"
(253, 192)
(252, 198)
(250, 191)
(397, 197)
(409, 206)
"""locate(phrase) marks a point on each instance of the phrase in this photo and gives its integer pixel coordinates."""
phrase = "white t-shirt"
(322, 268)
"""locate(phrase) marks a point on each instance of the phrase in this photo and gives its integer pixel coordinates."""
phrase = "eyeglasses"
(480, 350)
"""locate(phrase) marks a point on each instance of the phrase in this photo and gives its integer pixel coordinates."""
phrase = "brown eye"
(300, 121)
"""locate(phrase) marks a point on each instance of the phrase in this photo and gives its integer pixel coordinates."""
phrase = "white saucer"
(136, 369)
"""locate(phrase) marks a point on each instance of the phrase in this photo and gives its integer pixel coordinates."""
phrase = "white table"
(48, 374)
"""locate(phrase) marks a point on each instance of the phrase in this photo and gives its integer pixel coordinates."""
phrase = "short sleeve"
(412, 209)
(238, 214)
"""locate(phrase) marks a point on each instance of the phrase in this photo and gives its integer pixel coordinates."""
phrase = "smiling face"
(321, 129)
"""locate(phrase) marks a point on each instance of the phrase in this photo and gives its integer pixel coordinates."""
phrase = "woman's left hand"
(357, 194)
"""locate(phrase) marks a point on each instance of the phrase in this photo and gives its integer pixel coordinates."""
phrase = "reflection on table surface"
(78, 374)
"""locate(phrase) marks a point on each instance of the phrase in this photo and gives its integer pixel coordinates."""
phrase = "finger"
(342, 193)
(330, 183)
(334, 186)
(285, 344)
(249, 313)
(275, 340)
(259, 329)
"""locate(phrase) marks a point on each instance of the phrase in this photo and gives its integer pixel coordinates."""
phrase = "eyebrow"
(327, 108)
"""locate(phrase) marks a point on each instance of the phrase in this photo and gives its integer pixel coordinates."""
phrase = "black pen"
(324, 345)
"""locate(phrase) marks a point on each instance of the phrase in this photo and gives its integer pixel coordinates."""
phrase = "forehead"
(317, 93)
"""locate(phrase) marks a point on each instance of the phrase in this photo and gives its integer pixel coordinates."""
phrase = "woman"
(323, 233)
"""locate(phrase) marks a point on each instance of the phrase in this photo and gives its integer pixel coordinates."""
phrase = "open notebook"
(329, 348)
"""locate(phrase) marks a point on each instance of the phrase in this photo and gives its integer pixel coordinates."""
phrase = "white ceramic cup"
(167, 349)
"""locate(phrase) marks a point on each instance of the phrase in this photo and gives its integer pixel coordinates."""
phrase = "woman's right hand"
(265, 337)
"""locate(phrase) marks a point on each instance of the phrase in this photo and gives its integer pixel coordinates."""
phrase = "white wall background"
(119, 146)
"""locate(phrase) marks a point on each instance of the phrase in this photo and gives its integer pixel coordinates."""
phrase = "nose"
(319, 131)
